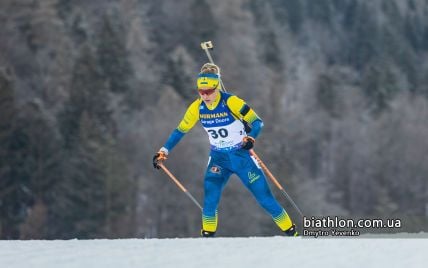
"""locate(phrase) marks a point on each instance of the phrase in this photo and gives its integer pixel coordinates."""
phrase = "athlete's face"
(208, 95)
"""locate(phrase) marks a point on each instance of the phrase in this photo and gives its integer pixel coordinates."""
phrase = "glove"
(158, 158)
(248, 142)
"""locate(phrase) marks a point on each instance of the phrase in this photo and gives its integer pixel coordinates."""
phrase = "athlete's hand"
(248, 142)
(158, 158)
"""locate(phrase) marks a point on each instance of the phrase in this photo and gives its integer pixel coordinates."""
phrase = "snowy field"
(217, 252)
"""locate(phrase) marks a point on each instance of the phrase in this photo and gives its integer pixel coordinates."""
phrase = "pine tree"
(93, 173)
(15, 163)
(9, 188)
(113, 58)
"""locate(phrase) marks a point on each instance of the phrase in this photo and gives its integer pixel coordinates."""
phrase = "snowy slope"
(217, 252)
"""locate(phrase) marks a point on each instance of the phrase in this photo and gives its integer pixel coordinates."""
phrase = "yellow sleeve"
(241, 109)
(191, 116)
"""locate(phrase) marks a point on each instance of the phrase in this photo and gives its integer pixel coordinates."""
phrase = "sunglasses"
(207, 92)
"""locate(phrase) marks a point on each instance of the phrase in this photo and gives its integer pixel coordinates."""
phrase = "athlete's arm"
(246, 113)
(191, 116)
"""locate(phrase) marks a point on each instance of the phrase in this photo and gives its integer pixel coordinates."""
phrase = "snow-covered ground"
(217, 252)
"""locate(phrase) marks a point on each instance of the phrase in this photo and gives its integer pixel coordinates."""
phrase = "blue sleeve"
(256, 128)
(173, 139)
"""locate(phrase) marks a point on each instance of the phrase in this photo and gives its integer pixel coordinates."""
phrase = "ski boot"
(291, 231)
(207, 233)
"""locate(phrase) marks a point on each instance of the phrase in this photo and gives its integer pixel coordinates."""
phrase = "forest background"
(90, 90)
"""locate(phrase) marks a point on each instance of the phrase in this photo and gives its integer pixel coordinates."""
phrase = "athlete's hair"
(210, 68)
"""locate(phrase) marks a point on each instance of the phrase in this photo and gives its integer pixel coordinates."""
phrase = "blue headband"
(208, 75)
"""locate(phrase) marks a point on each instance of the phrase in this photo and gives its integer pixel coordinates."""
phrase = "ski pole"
(207, 46)
(275, 181)
(179, 184)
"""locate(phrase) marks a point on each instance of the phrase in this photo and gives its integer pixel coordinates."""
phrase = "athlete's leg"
(216, 178)
(254, 179)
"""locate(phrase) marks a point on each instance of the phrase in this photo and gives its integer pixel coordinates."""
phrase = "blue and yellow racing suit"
(226, 131)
